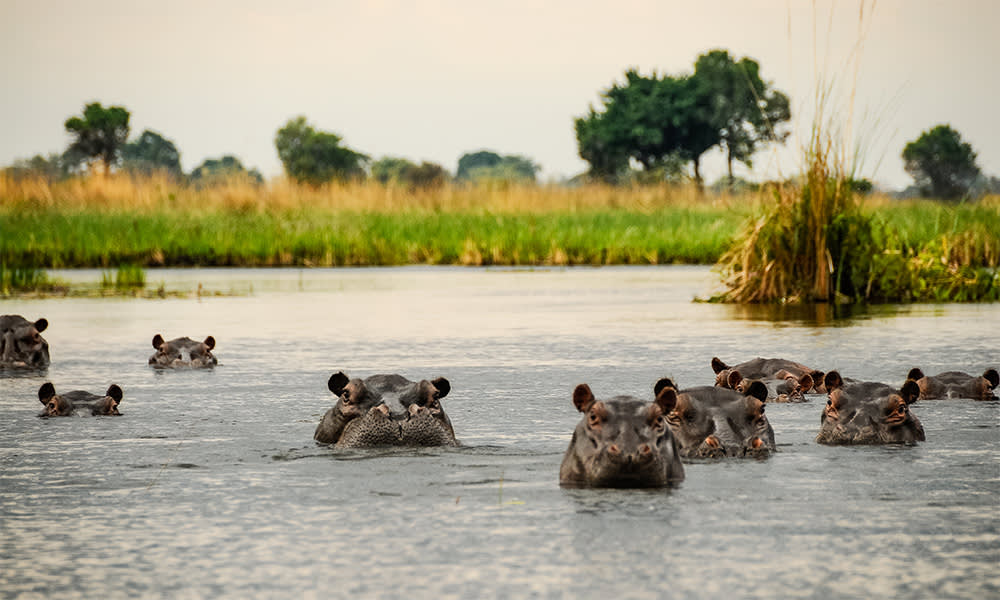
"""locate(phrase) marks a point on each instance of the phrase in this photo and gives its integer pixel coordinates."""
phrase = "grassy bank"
(97, 222)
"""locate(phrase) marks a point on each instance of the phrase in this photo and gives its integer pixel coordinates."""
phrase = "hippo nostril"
(712, 442)
(645, 450)
(614, 449)
(756, 443)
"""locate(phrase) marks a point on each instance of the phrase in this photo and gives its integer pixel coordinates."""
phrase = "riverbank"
(107, 223)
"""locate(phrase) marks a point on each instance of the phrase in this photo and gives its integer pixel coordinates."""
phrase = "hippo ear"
(806, 381)
(992, 376)
(666, 399)
(733, 379)
(665, 382)
(758, 390)
(443, 387)
(337, 382)
(915, 374)
(718, 365)
(583, 397)
(832, 381)
(910, 391)
(210, 342)
(115, 392)
(41, 325)
(46, 392)
(157, 341)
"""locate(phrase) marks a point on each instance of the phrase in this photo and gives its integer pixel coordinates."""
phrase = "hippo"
(386, 410)
(768, 369)
(716, 422)
(183, 352)
(868, 412)
(21, 343)
(955, 384)
(79, 402)
(622, 442)
(788, 389)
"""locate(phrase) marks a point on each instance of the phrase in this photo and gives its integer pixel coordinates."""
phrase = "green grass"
(54, 239)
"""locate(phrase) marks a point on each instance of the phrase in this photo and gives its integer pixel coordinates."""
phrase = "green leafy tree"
(99, 133)
(213, 171)
(941, 164)
(391, 170)
(316, 157)
(745, 110)
(152, 153)
(655, 121)
(486, 164)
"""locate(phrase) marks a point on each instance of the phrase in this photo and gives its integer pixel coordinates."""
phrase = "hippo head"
(725, 376)
(713, 422)
(621, 442)
(869, 413)
(426, 423)
(791, 388)
(955, 384)
(362, 417)
(108, 405)
(21, 343)
(55, 405)
(183, 352)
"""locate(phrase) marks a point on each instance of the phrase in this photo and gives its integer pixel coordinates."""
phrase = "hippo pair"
(625, 442)
(786, 380)
(386, 410)
(21, 343)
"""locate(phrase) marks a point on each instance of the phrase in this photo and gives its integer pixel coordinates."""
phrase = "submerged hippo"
(716, 422)
(955, 384)
(868, 412)
(789, 389)
(21, 343)
(183, 353)
(79, 402)
(768, 369)
(386, 410)
(622, 442)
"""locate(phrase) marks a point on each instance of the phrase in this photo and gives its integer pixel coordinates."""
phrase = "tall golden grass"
(158, 194)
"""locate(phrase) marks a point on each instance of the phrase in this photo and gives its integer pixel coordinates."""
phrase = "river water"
(209, 484)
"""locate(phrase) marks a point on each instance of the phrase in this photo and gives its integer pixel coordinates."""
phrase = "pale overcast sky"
(432, 80)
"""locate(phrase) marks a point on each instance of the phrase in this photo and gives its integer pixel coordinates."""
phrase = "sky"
(432, 80)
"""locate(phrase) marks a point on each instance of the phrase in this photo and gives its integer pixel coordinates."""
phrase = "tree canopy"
(217, 170)
(486, 164)
(152, 153)
(941, 164)
(657, 121)
(390, 170)
(316, 157)
(99, 133)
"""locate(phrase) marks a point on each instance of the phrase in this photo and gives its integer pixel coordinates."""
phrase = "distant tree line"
(647, 129)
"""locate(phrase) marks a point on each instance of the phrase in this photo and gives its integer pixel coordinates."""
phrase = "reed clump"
(817, 241)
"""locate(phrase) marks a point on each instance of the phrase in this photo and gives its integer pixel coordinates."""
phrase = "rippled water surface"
(210, 485)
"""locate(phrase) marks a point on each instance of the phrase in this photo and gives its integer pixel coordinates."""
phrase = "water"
(210, 485)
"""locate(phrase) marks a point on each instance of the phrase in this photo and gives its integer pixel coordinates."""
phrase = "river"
(210, 485)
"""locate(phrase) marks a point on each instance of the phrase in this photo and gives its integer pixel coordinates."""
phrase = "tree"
(391, 170)
(941, 164)
(316, 157)
(486, 164)
(654, 121)
(744, 110)
(213, 171)
(152, 153)
(100, 133)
